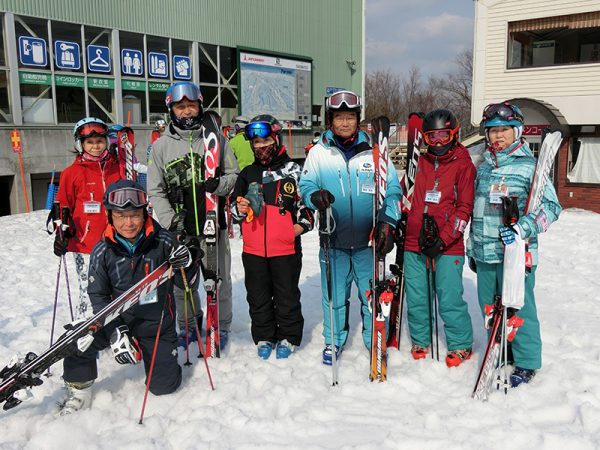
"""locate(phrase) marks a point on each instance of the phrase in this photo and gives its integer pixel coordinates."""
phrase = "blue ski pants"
(347, 265)
(527, 344)
(451, 306)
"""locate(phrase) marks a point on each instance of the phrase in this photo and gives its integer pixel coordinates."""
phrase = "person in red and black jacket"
(273, 218)
(442, 205)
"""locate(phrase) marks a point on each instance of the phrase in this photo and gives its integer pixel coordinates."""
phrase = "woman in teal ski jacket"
(507, 170)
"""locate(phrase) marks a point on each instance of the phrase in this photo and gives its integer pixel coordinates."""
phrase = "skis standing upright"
(407, 183)
(380, 296)
(212, 148)
(126, 152)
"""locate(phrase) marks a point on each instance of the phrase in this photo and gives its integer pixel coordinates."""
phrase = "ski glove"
(256, 199)
(126, 349)
(212, 184)
(322, 199)
(180, 257)
(434, 249)
(384, 239)
(60, 243)
(507, 234)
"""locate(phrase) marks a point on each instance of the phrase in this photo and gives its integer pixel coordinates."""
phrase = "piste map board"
(280, 86)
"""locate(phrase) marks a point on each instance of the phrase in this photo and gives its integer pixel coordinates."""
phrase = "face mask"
(265, 155)
(186, 123)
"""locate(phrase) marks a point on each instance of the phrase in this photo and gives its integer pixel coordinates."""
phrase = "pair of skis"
(500, 315)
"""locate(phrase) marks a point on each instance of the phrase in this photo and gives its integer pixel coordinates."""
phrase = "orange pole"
(23, 182)
(128, 118)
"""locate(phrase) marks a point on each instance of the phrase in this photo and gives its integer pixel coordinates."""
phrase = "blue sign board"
(67, 55)
(32, 51)
(182, 67)
(98, 58)
(158, 65)
(132, 62)
(330, 90)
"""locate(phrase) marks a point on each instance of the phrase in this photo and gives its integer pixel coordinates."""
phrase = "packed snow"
(290, 403)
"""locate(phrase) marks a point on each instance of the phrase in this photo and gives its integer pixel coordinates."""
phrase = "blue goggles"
(181, 90)
(259, 129)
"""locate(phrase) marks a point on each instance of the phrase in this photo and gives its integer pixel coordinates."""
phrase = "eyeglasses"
(134, 218)
(122, 197)
(351, 100)
(442, 137)
(91, 129)
(504, 111)
(260, 129)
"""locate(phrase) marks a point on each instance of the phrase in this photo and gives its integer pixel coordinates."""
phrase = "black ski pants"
(274, 297)
(166, 376)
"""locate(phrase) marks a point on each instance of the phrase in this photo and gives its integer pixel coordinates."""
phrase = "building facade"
(114, 59)
(544, 56)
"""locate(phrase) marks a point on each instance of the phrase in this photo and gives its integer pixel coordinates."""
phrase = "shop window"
(5, 111)
(36, 102)
(550, 41)
(207, 55)
(132, 54)
(584, 160)
(70, 104)
(67, 53)
(32, 42)
(98, 50)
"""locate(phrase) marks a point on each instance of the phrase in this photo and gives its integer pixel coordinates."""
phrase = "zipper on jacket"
(350, 195)
(341, 181)
(266, 214)
(357, 183)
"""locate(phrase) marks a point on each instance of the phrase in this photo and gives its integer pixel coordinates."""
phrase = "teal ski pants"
(451, 306)
(527, 344)
(347, 265)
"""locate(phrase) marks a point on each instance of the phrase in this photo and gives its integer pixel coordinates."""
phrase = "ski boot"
(327, 354)
(520, 376)
(456, 357)
(264, 349)
(79, 396)
(419, 352)
(284, 349)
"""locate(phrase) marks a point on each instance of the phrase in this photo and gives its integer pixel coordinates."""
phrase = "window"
(32, 42)
(584, 159)
(132, 54)
(208, 63)
(67, 52)
(5, 111)
(550, 41)
(2, 50)
(101, 94)
(36, 98)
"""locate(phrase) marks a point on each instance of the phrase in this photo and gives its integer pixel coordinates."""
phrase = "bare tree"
(382, 95)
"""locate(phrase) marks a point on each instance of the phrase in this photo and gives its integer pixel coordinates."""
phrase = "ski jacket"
(443, 189)
(169, 185)
(271, 233)
(242, 150)
(510, 170)
(81, 189)
(113, 270)
(352, 184)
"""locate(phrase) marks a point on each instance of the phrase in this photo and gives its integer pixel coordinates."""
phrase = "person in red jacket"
(442, 205)
(273, 218)
(81, 190)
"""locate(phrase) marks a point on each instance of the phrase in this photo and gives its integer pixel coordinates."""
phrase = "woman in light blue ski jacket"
(508, 170)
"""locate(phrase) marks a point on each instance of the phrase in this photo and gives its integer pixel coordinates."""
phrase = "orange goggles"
(442, 137)
(91, 129)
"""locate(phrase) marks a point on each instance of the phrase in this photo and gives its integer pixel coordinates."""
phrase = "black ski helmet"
(125, 195)
(438, 120)
(273, 123)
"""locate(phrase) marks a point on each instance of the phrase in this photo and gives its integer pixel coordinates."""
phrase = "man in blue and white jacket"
(339, 173)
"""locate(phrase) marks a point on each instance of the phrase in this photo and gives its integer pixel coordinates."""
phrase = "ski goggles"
(335, 101)
(503, 111)
(260, 129)
(442, 137)
(179, 91)
(91, 129)
(128, 196)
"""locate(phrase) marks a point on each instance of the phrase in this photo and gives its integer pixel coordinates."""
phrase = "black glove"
(211, 184)
(435, 249)
(193, 245)
(60, 243)
(384, 238)
(472, 264)
(180, 257)
(322, 199)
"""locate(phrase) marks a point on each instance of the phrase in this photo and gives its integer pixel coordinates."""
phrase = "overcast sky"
(425, 33)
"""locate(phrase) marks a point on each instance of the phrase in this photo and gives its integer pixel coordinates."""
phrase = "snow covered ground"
(275, 404)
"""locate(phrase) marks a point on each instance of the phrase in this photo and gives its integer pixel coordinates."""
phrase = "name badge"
(497, 191)
(149, 298)
(433, 196)
(91, 207)
(368, 188)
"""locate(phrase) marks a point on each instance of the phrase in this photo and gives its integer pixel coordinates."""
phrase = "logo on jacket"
(288, 187)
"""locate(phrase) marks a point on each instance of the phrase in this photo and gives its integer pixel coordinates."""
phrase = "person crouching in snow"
(133, 245)
(273, 218)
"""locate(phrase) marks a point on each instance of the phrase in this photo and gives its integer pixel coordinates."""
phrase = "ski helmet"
(177, 92)
(440, 131)
(113, 132)
(88, 127)
(343, 101)
(503, 114)
(125, 195)
(239, 122)
(160, 123)
(264, 126)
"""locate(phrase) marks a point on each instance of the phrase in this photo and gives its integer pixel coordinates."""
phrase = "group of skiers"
(275, 200)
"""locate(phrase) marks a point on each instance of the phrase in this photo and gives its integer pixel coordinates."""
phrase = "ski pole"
(54, 308)
(428, 272)
(68, 287)
(187, 336)
(326, 227)
(187, 289)
(435, 310)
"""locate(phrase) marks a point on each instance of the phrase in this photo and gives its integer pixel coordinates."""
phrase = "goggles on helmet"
(335, 101)
(435, 137)
(178, 91)
(260, 129)
(91, 129)
(503, 111)
(127, 196)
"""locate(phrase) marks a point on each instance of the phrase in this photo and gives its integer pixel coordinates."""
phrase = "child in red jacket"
(81, 190)
(273, 218)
